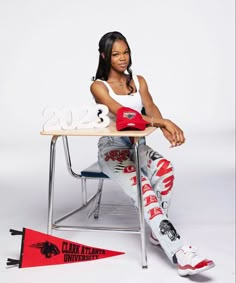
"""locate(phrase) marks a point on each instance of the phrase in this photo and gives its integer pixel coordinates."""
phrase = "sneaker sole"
(185, 272)
(154, 242)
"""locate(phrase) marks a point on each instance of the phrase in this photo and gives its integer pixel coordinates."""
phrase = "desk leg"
(51, 183)
(140, 205)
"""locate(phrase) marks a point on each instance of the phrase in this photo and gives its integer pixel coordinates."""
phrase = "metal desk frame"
(109, 131)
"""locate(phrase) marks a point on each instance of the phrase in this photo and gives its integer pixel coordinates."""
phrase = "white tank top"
(132, 100)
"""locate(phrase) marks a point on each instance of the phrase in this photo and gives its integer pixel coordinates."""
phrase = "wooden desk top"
(109, 131)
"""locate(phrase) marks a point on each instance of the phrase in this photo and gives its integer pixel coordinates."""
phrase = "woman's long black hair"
(105, 49)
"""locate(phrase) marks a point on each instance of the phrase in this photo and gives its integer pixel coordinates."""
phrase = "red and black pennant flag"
(39, 249)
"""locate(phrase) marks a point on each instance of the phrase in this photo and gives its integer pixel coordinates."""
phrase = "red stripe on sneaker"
(200, 265)
(203, 263)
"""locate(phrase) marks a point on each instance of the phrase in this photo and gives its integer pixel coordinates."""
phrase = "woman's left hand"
(179, 140)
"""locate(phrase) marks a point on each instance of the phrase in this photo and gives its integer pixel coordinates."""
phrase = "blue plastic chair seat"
(93, 171)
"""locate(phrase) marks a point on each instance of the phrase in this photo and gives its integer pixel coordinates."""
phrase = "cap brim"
(125, 126)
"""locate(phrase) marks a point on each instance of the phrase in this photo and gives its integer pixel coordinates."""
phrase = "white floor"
(203, 211)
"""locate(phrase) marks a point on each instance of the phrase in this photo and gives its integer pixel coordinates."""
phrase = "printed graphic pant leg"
(160, 172)
(119, 166)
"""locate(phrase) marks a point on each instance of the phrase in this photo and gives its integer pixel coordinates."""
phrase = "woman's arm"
(101, 95)
(153, 115)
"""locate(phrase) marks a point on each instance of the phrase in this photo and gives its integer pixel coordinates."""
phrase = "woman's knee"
(164, 168)
(165, 173)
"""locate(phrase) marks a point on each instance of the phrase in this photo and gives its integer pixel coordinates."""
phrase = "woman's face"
(120, 56)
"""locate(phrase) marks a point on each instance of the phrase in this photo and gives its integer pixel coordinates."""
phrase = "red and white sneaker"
(190, 263)
(154, 240)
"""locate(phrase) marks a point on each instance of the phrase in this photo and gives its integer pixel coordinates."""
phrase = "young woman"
(116, 87)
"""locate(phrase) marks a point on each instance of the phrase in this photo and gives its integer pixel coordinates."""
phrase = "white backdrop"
(183, 48)
(48, 53)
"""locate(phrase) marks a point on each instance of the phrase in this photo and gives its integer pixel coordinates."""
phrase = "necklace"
(121, 84)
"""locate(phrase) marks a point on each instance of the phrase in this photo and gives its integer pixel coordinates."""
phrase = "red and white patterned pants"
(115, 157)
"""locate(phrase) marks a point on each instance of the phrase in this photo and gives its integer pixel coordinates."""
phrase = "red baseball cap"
(129, 119)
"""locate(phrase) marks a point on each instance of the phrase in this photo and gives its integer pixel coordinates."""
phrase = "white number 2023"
(70, 118)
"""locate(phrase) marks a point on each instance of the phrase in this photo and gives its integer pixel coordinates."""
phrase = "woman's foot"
(189, 262)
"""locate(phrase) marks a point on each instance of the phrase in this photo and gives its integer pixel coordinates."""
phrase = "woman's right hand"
(172, 133)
